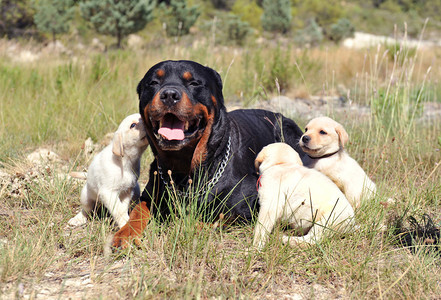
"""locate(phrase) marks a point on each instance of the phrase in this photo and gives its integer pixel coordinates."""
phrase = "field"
(388, 98)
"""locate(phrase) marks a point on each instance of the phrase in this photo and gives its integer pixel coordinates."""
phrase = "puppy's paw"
(121, 221)
(78, 220)
(297, 241)
(258, 245)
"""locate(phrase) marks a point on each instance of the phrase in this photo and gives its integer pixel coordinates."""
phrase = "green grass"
(58, 103)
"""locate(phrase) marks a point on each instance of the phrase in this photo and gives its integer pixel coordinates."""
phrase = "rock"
(89, 146)
(3, 175)
(315, 106)
(107, 138)
(431, 110)
(366, 40)
(134, 41)
(56, 47)
(96, 43)
(43, 156)
(24, 56)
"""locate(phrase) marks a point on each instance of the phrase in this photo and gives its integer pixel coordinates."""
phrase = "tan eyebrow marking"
(160, 73)
(187, 75)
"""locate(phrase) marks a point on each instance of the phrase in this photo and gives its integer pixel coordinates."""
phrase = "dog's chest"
(127, 181)
(119, 182)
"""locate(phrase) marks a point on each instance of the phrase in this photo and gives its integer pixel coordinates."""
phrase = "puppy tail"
(78, 175)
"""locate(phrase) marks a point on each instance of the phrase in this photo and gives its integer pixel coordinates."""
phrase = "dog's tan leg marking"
(132, 231)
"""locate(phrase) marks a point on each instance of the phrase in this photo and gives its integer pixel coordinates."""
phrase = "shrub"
(118, 18)
(276, 67)
(311, 35)
(222, 4)
(400, 52)
(237, 30)
(227, 29)
(249, 12)
(178, 17)
(54, 16)
(16, 17)
(324, 12)
(276, 15)
(341, 30)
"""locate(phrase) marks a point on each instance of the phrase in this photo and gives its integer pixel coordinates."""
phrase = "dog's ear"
(118, 148)
(343, 136)
(219, 84)
(140, 87)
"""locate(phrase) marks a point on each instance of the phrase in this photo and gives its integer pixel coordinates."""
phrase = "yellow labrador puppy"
(324, 142)
(305, 198)
(112, 177)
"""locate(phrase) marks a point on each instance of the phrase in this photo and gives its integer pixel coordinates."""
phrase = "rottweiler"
(200, 147)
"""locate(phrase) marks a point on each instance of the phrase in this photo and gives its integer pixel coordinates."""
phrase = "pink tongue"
(172, 130)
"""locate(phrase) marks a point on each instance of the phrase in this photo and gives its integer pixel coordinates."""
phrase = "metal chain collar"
(207, 186)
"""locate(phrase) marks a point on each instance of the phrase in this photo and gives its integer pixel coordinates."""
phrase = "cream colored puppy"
(324, 142)
(112, 177)
(304, 197)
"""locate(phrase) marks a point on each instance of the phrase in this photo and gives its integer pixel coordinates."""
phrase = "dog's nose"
(170, 96)
(306, 139)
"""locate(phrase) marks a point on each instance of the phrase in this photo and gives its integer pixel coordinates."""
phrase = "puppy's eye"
(153, 82)
(306, 129)
(132, 125)
(322, 132)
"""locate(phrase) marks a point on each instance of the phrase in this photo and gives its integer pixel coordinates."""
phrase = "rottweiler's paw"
(125, 236)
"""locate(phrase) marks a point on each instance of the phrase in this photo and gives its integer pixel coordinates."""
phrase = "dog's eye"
(194, 83)
(306, 129)
(322, 132)
(132, 125)
(153, 82)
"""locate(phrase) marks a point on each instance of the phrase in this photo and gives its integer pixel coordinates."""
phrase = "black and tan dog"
(189, 130)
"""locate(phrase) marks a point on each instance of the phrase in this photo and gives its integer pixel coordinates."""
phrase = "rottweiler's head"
(179, 102)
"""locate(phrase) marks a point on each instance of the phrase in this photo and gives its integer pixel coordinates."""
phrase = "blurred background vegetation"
(309, 22)
(76, 58)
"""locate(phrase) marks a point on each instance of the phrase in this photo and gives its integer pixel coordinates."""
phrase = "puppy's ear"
(342, 135)
(118, 148)
(258, 161)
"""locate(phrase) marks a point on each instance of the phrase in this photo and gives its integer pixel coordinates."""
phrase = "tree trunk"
(118, 37)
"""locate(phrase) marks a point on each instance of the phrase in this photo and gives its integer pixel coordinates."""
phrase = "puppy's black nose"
(170, 96)
(306, 139)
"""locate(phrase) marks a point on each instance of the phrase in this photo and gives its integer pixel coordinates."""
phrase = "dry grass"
(60, 102)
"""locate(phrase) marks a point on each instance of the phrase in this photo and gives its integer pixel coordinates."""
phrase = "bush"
(16, 17)
(237, 30)
(311, 35)
(341, 30)
(178, 17)
(249, 12)
(222, 4)
(400, 52)
(275, 67)
(118, 18)
(324, 12)
(54, 16)
(227, 29)
(276, 15)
